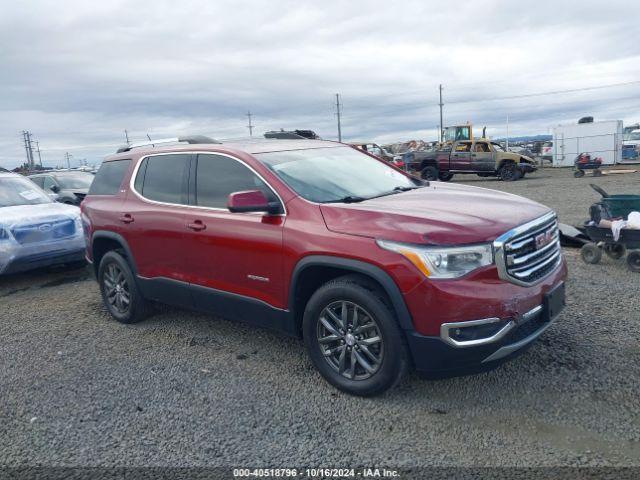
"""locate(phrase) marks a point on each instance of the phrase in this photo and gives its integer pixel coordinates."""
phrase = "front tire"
(445, 177)
(509, 172)
(353, 338)
(119, 290)
(633, 261)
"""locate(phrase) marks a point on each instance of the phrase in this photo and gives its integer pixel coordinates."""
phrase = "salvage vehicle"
(482, 157)
(380, 152)
(70, 186)
(35, 231)
(376, 270)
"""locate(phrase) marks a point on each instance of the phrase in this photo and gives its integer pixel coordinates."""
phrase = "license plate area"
(554, 302)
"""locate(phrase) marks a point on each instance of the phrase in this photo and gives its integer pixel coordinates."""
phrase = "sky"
(77, 74)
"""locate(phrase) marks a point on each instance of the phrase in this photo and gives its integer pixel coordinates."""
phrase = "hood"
(438, 214)
(29, 214)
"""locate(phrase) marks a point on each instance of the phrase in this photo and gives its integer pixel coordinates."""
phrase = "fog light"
(475, 332)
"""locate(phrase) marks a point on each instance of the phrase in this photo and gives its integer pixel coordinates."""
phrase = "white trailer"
(599, 139)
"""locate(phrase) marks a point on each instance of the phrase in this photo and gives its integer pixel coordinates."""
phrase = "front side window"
(16, 191)
(38, 181)
(217, 176)
(334, 174)
(498, 148)
(164, 178)
(482, 147)
(109, 177)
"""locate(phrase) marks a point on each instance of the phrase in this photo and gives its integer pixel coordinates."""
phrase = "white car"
(35, 231)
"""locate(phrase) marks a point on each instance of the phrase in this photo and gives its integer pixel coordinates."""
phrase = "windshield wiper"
(348, 199)
(396, 190)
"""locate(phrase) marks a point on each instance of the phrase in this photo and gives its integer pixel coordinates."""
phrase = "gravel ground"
(184, 389)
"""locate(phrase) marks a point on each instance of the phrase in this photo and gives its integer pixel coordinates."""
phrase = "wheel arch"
(103, 241)
(313, 271)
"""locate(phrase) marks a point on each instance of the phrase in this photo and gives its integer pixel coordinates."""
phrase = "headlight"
(443, 262)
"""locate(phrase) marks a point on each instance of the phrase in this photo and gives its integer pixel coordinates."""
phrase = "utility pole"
(250, 126)
(507, 149)
(126, 136)
(338, 114)
(26, 135)
(441, 105)
(38, 150)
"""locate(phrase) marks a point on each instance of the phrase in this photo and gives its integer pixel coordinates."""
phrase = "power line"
(552, 92)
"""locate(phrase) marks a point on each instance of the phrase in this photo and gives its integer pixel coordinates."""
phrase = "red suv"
(375, 270)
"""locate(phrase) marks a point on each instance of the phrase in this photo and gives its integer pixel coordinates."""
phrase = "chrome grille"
(527, 254)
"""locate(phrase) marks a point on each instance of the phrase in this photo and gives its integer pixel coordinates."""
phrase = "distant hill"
(530, 138)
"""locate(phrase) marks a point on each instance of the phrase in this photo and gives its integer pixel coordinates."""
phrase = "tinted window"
(164, 178)
(218, 176)
(109, 178)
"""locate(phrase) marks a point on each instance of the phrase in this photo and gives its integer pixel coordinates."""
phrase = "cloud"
(77, 74)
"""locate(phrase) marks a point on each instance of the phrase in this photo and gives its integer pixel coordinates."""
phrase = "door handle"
(196, 226)
(126, 218)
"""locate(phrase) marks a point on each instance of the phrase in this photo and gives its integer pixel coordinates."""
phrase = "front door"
(461, 156)
(482, 158)
(234, 258)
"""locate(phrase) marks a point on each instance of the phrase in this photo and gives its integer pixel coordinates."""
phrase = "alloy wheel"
(350, 340)
(116, 289)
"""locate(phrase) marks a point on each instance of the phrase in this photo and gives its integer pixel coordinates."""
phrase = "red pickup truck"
(481, 156)
(377, 271)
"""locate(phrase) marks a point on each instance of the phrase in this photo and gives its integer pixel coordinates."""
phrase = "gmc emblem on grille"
(544, 239)
(45, 227)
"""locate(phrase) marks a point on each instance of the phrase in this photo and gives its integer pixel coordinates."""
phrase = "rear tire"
(119, 290)
(591, 253)
(429, 173)
(353, 338)
(633, 261)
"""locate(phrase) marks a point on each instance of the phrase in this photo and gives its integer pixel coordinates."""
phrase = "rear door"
(154, 224)
(461, 156)
(482, 158)
(236, 253)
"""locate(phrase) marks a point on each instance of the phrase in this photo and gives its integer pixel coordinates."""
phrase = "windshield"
(16, 191)
(497, 147)
(70, 182)
(335, 174)
(634, 136)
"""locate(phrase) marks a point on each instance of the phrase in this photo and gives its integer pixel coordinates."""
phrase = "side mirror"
(251, 201)
(54, 188)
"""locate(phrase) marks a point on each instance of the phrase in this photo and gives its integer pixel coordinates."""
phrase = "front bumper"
(437, 358)
(527, 167)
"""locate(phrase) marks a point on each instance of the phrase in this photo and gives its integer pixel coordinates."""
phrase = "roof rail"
(191, 139)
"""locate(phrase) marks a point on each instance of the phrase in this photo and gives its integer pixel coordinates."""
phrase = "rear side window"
(217, 176)
(109, 177)
(163, 178)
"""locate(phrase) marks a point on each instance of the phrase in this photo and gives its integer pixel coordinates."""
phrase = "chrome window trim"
(132, 181)
(500, 254)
